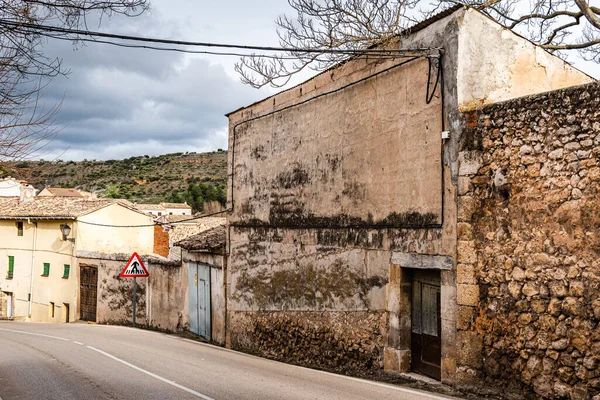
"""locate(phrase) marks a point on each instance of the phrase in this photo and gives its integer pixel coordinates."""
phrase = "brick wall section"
(161, 241)
(528, 271)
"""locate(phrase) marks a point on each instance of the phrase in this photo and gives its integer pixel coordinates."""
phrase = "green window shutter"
(66, 271)
(11, 266)
(46, 269)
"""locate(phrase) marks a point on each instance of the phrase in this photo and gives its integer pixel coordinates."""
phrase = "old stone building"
(373, 208)
(529, 244)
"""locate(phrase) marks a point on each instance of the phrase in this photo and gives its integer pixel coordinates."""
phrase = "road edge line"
(369, 382)
(153, 375)
(35, 334)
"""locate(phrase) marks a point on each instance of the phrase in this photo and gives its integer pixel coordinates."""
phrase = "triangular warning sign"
(135, 268)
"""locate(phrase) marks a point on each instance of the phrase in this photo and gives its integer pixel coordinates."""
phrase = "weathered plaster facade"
(342, 191)
(48, 290)
(529, 245)
(161, 298)
(45, 285)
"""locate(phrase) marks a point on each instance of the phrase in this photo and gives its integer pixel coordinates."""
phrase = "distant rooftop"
(60, 192)
(52, 207)
(208, 240)
(176, 205)
(155, 207)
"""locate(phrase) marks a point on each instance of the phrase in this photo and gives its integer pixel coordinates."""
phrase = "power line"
(69, 31)
(214, 53)
(156, 223)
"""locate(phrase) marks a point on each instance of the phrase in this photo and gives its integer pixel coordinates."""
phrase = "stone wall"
(3, 304)
(161, 298)
(342, 341)
(528, 269)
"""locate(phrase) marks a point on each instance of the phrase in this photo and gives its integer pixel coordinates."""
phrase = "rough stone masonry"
(528, 269)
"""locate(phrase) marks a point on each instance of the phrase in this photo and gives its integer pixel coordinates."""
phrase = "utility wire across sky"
(60, 33)
(92, 36)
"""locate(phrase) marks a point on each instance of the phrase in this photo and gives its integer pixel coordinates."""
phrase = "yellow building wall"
(49, 248)
(114, 239)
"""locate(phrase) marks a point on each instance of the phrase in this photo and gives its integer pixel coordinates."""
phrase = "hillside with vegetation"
(176, 177)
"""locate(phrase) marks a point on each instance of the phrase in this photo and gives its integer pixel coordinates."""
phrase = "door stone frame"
(397, 352)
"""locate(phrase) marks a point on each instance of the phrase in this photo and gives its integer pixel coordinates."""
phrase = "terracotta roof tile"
(209, 240)
(156, 207)
(50, 207)
(175, 205)
(64, 192)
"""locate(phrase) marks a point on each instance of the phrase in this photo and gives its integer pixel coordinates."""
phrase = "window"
(11, 267)
(46, 269)
(20, 228)
(66, 271)
(51, 309)
(159, 213)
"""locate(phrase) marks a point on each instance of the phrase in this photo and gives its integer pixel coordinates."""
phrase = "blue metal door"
(193, 293)
(199, 289)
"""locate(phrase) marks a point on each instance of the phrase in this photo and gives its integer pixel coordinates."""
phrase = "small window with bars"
(46, 269)
(11, 267)
(66, 271)
(19, 228)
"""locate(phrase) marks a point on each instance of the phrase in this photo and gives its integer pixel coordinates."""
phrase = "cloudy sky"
(120, 102)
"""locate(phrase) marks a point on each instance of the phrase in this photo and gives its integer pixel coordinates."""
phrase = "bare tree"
(26, 124)
(350, 25)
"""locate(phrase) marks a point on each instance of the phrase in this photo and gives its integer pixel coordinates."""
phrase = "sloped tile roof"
(64, 192)
(209, 240)
(51, 207)
(175, 205)
(156, 207)
(180, 231)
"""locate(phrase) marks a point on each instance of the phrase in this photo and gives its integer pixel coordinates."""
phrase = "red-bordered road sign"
(135, 268)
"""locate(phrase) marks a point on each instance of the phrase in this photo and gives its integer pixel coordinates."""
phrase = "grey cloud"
(120, 102)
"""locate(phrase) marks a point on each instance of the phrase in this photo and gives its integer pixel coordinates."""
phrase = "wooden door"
(9, 306)
(426, 338)
(88, 293)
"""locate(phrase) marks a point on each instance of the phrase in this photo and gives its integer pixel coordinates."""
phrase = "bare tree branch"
(555, 25)
(26, 125)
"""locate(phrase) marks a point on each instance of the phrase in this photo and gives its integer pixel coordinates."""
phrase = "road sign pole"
(134, 299)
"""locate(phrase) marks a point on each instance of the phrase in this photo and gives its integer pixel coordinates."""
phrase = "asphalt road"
(81, 361)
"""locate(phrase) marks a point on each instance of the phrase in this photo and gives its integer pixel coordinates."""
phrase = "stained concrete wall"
(365, 158)
(168, 297)
(160, 298)
(369, 154)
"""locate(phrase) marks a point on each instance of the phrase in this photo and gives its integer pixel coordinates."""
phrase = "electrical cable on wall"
(428, 97)
(157, 223)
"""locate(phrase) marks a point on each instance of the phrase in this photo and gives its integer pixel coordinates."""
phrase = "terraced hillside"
(141, 179)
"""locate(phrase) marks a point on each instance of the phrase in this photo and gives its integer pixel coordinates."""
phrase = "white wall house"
(10, 187)
(40, 275)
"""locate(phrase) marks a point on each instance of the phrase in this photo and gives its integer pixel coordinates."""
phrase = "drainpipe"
(32, 264)
(74, 272)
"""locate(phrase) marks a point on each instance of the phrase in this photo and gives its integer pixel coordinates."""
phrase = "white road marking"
(35, 334)
(160, 378)
(373, 383)
(79, 343)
